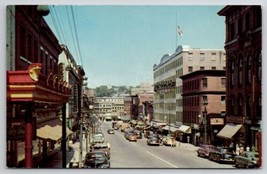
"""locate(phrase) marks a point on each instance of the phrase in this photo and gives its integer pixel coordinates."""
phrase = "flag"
(179, 31)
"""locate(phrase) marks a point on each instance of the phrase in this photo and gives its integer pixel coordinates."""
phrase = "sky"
(119, 44)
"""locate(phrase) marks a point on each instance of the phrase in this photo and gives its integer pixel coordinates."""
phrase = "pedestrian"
(108, 145)
(237, 151)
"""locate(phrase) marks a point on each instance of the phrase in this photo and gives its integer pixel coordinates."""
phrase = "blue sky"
(120, 44)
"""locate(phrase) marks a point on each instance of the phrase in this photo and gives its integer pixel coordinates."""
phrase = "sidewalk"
(73, 155)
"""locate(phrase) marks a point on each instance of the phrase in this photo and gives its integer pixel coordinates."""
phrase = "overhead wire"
(71, 29)
(76, 34)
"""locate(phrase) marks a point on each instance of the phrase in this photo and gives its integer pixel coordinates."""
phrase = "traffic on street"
(138, 154)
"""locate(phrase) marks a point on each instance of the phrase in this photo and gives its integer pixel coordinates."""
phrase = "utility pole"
(205, 103)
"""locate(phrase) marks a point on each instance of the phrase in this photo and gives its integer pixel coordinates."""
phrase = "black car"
(96, 160)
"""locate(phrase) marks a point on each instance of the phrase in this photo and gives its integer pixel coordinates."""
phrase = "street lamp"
(205, 103)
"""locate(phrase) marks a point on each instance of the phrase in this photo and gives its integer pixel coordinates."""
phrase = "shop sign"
(217, 121)
(235, 119)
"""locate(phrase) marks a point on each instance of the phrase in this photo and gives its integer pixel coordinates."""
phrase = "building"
(109, 107)
(243, 45)
(203, 105)
(36, 91)
(168, 101)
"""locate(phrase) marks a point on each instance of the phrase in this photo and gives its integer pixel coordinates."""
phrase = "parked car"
(110, 131)
(222, 155)
(205, 149)
(247, 160)
(103, 147)
(98, 138)
(153, 140)
(169, 141)
(96, 160)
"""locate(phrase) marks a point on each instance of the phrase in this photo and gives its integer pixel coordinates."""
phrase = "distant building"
(109, 106)
(243, 45)
(168, 101)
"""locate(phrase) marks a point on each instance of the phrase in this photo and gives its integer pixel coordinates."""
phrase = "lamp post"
(205, 103)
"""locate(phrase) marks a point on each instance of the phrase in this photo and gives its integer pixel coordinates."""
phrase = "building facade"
(168, 87)
(36, 93)
(243, 45)
(109, 107)
(204, 105)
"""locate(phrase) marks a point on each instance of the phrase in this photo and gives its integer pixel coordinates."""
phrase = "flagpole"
(176, 31)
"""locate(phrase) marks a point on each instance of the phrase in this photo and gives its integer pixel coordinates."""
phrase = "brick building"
(203, 105)
(243, 45)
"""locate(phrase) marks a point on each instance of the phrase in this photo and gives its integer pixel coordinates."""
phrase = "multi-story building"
(145, 94)
(72, 73)
(203, 105)
(243, 45)
(36, 92)
(109, 107)
(168, 101)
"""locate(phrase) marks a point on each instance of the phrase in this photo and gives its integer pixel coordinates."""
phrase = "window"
(202, 68)
(190, 69)
(205, 82)
(240, 102)
(213, 68)
(232, 73)
(259, 73)
(202, 57)
(223, 82)
(232, 31)
(213, 56)
(240, 71)
(249, 69)
(223, 99)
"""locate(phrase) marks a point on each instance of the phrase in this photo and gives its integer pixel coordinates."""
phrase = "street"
(125, 154)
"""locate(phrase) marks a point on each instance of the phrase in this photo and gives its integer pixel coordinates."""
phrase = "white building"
(167, 84)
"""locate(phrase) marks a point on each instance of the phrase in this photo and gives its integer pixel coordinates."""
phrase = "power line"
(73, 40)
(76, 34)
(57, 21)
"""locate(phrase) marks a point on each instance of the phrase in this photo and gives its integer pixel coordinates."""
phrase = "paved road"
(125, 154)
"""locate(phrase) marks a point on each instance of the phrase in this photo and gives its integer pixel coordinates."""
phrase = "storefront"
(33, 102)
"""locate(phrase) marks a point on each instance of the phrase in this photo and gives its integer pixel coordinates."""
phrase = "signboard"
(217, 121)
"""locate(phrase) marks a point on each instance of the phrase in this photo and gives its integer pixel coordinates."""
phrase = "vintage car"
(101, 147)
(222, 155)
(98, 138)
(169, 141)
(138, 133)
(110, 131)
(247, 160)
(131, 136)
(153, 140)
(96, 160)
(205, 149)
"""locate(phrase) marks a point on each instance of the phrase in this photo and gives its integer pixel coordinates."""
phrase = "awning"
(172, 129)
(229, 130)
(157, 124)
(185, 129)
(52, 133)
